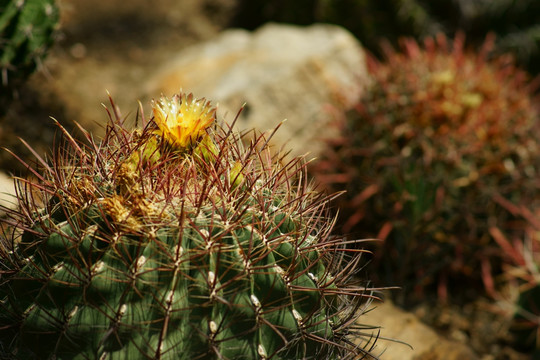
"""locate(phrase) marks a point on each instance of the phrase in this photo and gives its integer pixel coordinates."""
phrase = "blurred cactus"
(521, 276)
(526, 321)
(26, 32)
(437, 137)
(177, 241)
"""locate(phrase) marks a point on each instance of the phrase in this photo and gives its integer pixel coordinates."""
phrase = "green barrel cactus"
(177, 240)
(26, 32)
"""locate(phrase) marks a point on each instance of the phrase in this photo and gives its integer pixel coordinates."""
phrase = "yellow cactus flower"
(182, 120)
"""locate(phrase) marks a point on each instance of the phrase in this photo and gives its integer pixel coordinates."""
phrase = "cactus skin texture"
(26, 32)
(439, 137)
(145, 249)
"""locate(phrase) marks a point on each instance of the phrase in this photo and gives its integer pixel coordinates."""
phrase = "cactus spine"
(176, 241)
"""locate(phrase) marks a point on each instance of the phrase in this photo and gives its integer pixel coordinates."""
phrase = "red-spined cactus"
(441, 132)
(520, 290)
(176, 241)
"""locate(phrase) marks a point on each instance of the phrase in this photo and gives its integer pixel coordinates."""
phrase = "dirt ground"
(114, 46)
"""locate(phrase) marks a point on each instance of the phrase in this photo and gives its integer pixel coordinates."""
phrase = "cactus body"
(148, 248)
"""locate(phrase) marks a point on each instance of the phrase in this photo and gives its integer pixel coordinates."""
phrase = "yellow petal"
(183, 120)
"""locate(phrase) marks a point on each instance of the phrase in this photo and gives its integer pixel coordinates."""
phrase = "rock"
(279, 72)
(414, 340)
(7, 193)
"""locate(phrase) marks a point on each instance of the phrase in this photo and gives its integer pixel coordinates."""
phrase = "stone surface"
(7, 192)
(279, 72)
(414, 340)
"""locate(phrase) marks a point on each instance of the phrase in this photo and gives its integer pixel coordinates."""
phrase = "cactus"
(177, 241)
(441, 133)
(26, 32)
(520, 290)
(526, 321)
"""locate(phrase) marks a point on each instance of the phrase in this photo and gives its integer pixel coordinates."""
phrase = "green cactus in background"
(26, 32)
(176, 241)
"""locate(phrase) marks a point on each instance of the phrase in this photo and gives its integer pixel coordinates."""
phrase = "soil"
(483, 325)
(114, 45)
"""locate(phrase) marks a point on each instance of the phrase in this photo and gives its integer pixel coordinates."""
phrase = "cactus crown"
(177, 241)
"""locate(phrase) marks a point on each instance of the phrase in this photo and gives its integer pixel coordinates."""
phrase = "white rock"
(412, 340)
(7, 193)
(280, 72)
